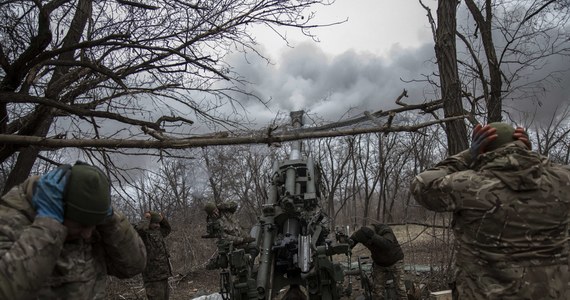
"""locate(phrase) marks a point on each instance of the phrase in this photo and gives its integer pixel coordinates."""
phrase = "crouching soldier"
(387, 256)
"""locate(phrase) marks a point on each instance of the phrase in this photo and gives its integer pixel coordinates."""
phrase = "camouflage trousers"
(511, 282)
(157, 290)
(381, 276)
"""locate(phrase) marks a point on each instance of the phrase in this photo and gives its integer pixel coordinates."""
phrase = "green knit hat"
(88, 195)
(504, 135)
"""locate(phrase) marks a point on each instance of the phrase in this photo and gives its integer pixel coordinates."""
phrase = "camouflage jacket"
(158, 264)
(37, 262)
(510, 210)
(384, 247)
(232, 231)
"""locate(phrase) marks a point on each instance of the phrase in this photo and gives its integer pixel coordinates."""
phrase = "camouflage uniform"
(38, 263)
(228, 228)
(157, 271)
(510, 220)
(387, 256)
(233, 231)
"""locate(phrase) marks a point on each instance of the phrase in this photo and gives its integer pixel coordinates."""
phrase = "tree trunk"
(445, 51)
(40, 124)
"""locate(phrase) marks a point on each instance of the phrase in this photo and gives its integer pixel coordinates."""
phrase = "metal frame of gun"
(292, 239)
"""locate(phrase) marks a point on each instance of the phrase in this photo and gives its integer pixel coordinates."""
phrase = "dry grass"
(422, 247)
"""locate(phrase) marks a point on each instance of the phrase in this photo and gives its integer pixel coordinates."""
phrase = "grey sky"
(375, 26)
(359, 64)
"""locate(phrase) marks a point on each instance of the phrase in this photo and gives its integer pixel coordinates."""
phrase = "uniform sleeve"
(432, 188)
(125, 250)
(142, 226)
(379, 242)
(28, 261)
(165, 228)
(382, 242)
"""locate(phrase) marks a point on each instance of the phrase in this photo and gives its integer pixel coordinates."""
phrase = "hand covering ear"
(482, 136)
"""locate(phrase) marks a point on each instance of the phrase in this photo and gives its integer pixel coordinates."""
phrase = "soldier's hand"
(482, 136)
(48, 193)
(351, 243)
(216, 213)
(521, 135)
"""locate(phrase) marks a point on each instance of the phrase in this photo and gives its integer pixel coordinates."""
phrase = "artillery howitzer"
(291, 237)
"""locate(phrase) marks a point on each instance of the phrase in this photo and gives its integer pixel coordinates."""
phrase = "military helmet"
(155, 217)
(209, 207)
(504, 135)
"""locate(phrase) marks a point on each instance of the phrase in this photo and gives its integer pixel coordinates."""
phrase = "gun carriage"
(291, 238)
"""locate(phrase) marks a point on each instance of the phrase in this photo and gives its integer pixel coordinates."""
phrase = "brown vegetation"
(425, 251)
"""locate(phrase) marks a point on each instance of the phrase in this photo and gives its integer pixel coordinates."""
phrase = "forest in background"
(110, 82)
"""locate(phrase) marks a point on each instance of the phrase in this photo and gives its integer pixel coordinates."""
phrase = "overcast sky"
(360, 65)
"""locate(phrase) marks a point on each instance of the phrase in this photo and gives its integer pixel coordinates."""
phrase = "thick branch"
(7, 139)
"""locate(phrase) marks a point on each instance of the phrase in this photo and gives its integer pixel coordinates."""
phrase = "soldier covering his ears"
(60, 237)
(387, 256)
(510, 216)
(153, 229)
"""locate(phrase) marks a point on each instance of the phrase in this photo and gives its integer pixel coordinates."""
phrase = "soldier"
(221, 219)
(510, 216)
(153, 228)
(221, 225)
(387, 256)
(59, 237)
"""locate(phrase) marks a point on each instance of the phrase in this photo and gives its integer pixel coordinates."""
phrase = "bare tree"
(71, 68)
(509, 43)
(450, 85)
(239, 174)
(552, 138)
(332, 156)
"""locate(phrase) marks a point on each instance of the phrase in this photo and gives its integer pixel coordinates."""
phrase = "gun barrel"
(296, 122)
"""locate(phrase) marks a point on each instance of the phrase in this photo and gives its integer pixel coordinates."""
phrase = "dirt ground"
(417, 243)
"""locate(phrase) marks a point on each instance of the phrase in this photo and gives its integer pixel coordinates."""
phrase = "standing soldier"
(510, 216)
(387, 256)
(60, 237)
(153, 228)
(222, 225)
(222, 222)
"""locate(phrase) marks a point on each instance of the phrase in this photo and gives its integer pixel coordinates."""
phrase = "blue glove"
(48, 193)
(110, 211)
(482, 136)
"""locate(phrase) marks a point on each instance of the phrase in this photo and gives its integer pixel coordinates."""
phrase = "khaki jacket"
(510, 220)
(37, 263)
